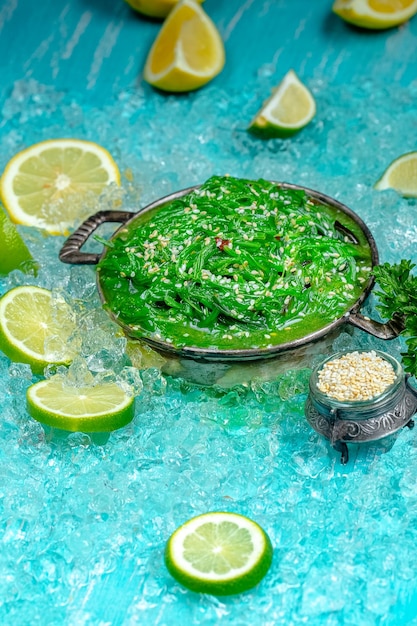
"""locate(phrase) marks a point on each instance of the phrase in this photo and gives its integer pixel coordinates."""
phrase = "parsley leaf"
(397, 295)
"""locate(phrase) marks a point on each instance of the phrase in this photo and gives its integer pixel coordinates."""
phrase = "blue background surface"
(99, 47)
(76, 68)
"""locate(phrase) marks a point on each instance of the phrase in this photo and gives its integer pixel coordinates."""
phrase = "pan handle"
(71, 250)
(387, 330)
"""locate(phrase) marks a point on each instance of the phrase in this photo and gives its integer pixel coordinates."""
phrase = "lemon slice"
(14, 253)
(375, 14)
(154, 8)
(188, 51)
(38, 184)
(401, 175)
(219, 553)
(287, 111)
(35, 327)
(101, 408)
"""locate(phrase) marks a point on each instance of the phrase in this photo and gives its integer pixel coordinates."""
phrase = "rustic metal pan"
(71, 253)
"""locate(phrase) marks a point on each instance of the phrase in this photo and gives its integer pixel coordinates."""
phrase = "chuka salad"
(234, 264)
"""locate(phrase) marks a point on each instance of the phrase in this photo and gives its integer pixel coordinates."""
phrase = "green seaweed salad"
(234, 264)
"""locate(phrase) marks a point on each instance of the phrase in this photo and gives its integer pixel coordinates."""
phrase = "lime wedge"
(290, 108)
(102, 408)
(38, 183)
(401, 175)
(14, 254)
(35, 327)
(219, 553)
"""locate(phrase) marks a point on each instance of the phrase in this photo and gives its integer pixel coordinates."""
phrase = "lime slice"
(35, 327)
(288, 110)
(154, 8)
(188, 51)
(102, 408)
(375, 14)
(219, 553)
(39, 184)
(401, 175)
(14, 254)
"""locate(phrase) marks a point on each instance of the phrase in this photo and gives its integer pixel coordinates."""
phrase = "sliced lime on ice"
(35, 327)
(100, 408)
(219, 553)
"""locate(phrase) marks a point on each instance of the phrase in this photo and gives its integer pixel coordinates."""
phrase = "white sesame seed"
(356, 376)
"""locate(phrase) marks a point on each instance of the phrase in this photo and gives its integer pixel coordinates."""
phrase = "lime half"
(288, 110)
(36, 327)
(401, 175)
(14, 254)
(102, 408)
(219, 553)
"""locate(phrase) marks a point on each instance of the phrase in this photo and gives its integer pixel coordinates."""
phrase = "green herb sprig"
(397, 295)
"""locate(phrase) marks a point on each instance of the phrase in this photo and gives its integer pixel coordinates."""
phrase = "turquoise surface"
(84, 525)
(99, 47)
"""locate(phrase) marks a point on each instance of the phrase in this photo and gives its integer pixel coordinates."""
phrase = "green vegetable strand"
(234, 259)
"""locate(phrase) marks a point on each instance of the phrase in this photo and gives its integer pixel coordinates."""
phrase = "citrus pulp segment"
(154, 8)
(219, 553)
(49, 173)
(14, 253)
(375, 14)
(188, 51)
(401, 175)
(35, 327)
(101, 408)
(288, 110)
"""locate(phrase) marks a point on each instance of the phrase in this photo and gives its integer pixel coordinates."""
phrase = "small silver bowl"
(364, 420)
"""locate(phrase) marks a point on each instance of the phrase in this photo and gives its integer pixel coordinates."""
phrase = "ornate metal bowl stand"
(369, 421)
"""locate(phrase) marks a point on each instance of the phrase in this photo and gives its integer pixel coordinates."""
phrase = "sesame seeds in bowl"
(356, 376)
(359, 396)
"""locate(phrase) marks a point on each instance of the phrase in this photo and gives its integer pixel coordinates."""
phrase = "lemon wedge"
(188, 51)
(375, 14)
(288, 110)
(154, 8)
(39, 184)
(401, 175)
